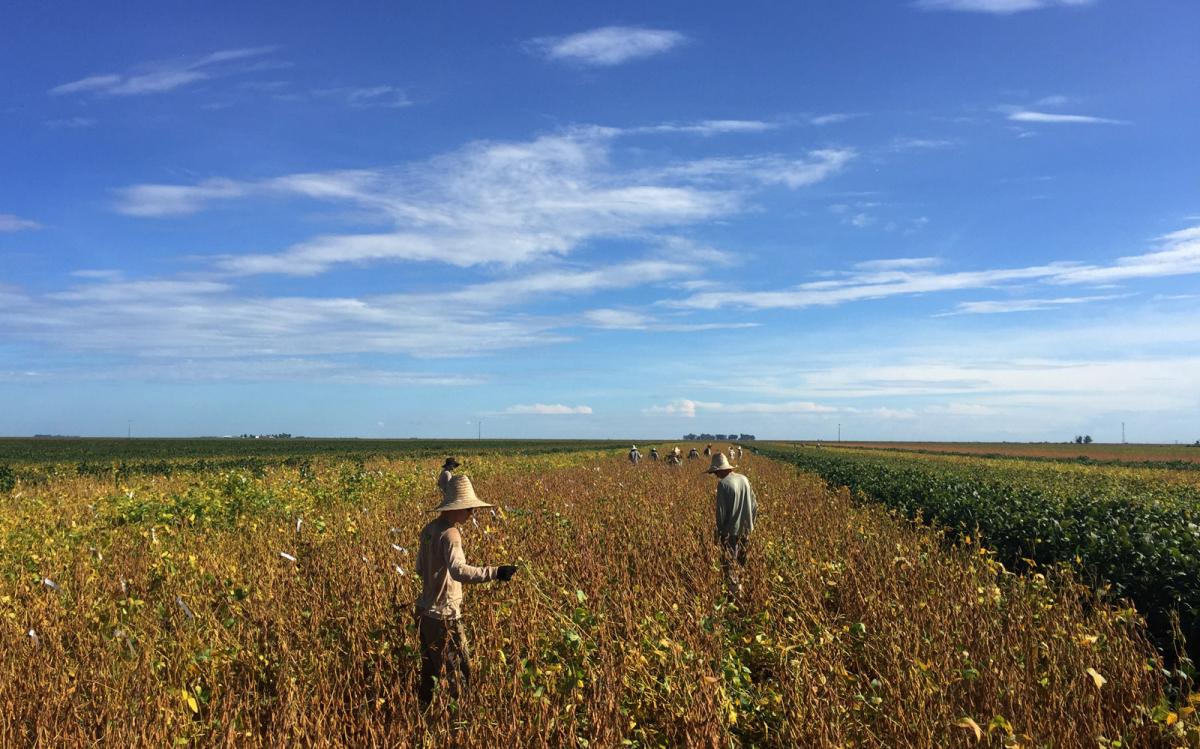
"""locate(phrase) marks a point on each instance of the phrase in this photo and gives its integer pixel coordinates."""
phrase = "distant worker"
(634, 455)
(708, 450)
(443, 568)
(737, 509)
(693, 454)
(674, 458)
(739, 454)
(654, 453)
(446, 474)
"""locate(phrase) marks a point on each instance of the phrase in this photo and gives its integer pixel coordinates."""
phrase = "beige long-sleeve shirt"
(444, 479)
(443, 568)
(737, 506)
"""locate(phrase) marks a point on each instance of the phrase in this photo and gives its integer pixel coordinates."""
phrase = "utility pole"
(839, 432)
(479, 429)
(1122, 433)
(129, 430)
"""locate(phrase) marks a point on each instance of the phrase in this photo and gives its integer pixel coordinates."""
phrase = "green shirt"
(736, 506)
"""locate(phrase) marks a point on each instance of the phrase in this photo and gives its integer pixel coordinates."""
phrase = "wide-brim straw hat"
(459, 495)
(719, 463)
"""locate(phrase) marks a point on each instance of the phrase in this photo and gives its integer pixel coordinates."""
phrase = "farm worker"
(443, 568)
(736, 510)
(654, 453)
(693, 454)
(708, 450)
(447, 473)
(634, 455)
(739, 453)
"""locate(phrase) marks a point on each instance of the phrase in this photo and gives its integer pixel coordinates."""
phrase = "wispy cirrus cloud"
(1179, 255)
(623, 319)
(161, 77)
(1025, 115)
(192, 318)
(9, 222)
(544, 409)
(689, 409)
(898, 263)
(997, 7)
(707, 127)
(921, 144)
(1037, 114)
(832, 118)
(496, 202)
(608, 45)
(817, 165)
(1003, 306)
(367, 97)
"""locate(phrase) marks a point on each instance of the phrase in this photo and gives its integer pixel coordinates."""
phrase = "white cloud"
(619, 319)
(921, 144)
(963, 409)
(704, 127)
(1180, 255)
(819, 165)
(9, 222)
(1025, 115)
(616, 319)
(176, 200)
(204, 318)
(998, 7)
(897, 263)
(542, 409)
(118, 291)
(1002, 306)
(368, 97)
(608, 45)
(689, 408)
(496, 202)
(162, 77)
(832, 118)
(256, 369)
(684, 408)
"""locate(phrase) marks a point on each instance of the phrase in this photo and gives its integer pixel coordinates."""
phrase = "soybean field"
(218, 599)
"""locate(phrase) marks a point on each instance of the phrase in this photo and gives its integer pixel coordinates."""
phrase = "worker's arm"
(456, 563)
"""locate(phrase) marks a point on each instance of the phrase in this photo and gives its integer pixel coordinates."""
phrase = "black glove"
(505, 572)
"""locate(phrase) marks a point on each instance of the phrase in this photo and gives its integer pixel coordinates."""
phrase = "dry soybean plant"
(274, 609)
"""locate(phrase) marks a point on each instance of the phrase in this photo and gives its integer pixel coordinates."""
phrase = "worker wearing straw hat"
(737, 509)
(443, 568)
(634, 455)
(447, 474)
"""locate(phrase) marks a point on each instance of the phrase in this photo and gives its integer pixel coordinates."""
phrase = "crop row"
(1126, 529)
(237, 609)
(108, 450)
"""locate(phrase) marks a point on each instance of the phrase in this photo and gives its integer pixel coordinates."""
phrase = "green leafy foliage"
(1135, 530)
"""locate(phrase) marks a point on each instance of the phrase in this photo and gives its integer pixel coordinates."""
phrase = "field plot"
(269, 606)
(1102, 452)
(1136, 530)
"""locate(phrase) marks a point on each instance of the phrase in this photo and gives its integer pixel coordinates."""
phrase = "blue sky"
(918, 219)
